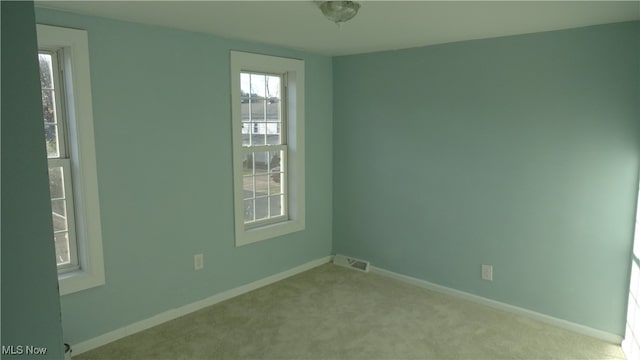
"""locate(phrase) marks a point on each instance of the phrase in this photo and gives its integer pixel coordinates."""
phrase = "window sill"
(79, 280)
(251, 235)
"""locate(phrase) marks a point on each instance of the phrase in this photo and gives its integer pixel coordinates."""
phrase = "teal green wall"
(30, 301)
(161, 106)
(521, 152)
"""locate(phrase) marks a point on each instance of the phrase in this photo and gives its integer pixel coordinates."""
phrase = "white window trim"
(241, 61)
(77, 83)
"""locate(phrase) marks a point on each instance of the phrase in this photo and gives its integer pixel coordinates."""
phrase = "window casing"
(268, 145)
(68, 123)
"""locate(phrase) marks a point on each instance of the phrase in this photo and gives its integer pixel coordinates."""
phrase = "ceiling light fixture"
(339, 11)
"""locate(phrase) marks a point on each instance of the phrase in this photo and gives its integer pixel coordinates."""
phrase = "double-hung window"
(268, 145)
(264, 148)
(60, 179)
(63, 55)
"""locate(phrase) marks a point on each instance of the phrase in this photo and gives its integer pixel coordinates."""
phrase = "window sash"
(284, 186)
(62, 161)
(282, 108)
(59, 93)
(65, 165)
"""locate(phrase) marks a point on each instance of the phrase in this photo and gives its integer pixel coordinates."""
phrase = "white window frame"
(74, 46)
(63, 159)
(293, 73)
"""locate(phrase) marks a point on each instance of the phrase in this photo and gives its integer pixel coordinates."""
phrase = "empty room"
(320, 179)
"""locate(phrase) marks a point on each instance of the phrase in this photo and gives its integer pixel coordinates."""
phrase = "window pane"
(62, 248)
(56, 182)
(273, 128)
(259, 128)
(245, 92)
(258, 133)
(247, 187)
(59, 207)
(46, 71)
(258, 108)
(247, 164)
(275, 205)
(273, 90)
(273, 110)
(59, 214)
(276, 184)
(59, 222)
(48, 106)
(274, 139)
(51, 136)
(244, 110)
(257, 86)
(273, 134)
(248, 210)
(246, 127)
(262, 207)
(262, 185)
(274, 159)
(261, 162)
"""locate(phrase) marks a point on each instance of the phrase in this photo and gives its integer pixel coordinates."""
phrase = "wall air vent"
(351, 263)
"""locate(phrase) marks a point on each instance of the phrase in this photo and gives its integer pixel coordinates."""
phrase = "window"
(264, 148)
(60, 183)
(68, 124)
(268, 145)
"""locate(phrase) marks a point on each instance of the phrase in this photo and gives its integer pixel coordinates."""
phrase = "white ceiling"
(380, 25)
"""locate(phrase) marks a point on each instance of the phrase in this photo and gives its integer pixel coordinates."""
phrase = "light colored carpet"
(335, 313)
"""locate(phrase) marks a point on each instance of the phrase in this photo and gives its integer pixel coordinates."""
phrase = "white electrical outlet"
(487, 272)
(198, 261)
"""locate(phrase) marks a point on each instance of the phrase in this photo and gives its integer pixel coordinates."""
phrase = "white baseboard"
(131, 329)
(581, 329)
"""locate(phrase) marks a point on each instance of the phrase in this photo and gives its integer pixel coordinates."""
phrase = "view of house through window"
(267, 113)
(264, 148)
(60, 186)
